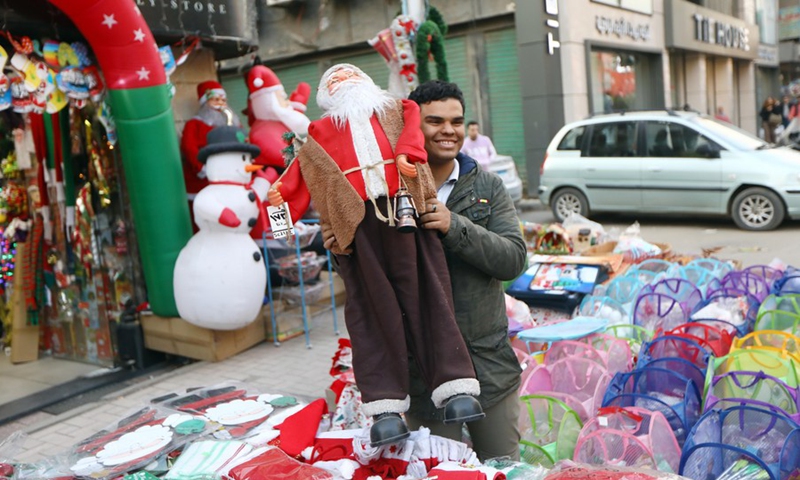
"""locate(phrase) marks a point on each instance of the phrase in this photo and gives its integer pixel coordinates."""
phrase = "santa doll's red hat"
(208, 89)
(260, 80)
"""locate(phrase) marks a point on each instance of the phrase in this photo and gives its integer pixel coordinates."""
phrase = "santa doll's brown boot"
(387, 428)
(462, 409)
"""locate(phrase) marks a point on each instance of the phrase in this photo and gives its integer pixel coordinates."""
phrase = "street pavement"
(294, 369)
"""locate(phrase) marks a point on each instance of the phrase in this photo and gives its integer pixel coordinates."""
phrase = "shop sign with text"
(622, 28)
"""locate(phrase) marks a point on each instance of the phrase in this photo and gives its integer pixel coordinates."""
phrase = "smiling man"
(479, 229)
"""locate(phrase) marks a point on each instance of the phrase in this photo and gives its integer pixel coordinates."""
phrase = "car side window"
(667, 139)
(617, 139)
(573, 140)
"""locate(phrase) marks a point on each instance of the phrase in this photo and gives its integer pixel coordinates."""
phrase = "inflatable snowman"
(220, 276)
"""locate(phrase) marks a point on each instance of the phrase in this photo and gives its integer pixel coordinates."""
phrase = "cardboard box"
(177, 336)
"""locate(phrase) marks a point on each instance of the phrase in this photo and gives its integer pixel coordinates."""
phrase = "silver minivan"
(670, 162)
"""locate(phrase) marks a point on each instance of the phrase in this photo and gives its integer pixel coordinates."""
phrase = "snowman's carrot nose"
(252, 168)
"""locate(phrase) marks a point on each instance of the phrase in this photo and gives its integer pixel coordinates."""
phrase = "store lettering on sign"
(622, 28)
(708, 30)
(551, 8)
(187, 5)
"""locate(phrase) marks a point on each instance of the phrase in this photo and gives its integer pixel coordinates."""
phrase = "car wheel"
(569, 200)
(757, 209)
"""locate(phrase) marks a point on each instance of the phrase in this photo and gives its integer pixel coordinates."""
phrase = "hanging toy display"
(82, 235)
(8, 252)
(100, 168)
(395, 45)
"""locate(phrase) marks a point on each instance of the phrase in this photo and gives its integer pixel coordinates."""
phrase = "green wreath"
(430, 41)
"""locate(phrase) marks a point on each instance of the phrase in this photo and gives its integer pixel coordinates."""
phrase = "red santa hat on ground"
(209, 89)
(262, 80)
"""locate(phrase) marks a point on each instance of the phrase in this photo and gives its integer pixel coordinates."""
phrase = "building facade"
(528, 67)
(642, 54)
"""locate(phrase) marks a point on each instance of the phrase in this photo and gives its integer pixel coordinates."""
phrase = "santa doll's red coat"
(338, 143)
(192, 140)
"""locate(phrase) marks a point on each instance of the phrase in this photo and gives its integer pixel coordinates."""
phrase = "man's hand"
(328, 239)
(406, 168)
(274, 195)
(436, 216)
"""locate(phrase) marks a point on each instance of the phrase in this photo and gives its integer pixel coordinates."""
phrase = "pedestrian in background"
(477, 146)
(721, 115)
(770, 118)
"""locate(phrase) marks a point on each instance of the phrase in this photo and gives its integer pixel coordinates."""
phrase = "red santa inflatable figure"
(271, 114)
(358, 159)
(213, 113)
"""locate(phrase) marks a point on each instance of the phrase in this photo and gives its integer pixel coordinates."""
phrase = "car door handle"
(655, 169)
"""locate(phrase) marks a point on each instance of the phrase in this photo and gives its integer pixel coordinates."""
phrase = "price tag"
(603, 421)
(280, 221)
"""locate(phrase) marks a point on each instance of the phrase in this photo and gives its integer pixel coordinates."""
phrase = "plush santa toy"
(271, 114)
(214, 112)
(366, 149)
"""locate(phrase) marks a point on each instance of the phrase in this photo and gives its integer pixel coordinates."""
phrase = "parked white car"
(670, 162)
(504, 166)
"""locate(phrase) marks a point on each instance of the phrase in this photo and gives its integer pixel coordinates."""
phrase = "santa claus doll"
(214, 112)
(271, 114)
(368, 147)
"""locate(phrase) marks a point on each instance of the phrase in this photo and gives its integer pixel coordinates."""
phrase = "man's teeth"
(446, 143)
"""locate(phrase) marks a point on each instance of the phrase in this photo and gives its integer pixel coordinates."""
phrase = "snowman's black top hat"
(226, 139)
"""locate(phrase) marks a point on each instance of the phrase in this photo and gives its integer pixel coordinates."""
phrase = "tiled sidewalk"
(290, 368)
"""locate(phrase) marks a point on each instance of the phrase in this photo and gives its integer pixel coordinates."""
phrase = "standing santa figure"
(214, 112)
(399, 299)
(271, 114)
(220, 277)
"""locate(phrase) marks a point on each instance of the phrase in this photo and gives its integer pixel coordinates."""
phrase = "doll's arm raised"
(207, 207)
(291, 188)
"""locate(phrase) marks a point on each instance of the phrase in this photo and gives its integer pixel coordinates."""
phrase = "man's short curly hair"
(436, 90)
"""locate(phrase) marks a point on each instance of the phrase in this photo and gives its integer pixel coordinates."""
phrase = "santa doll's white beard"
(267, 108)
(354, 100)
(215, 117)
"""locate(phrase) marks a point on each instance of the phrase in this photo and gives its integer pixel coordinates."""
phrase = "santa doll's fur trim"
(370, 409)
(265, 90)
(461, 386)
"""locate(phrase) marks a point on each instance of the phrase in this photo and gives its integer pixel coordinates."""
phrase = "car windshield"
(735, 136)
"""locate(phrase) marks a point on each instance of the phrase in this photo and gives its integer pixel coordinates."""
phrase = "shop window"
(624, 81)
(573, 140)
(616, 139)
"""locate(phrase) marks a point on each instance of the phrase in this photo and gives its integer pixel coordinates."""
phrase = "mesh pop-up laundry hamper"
(756, 389)
(574, 380)
(769, 274)
(789, 302)
(780, 365)
(671, 346)
(548, 430)
(733, 306)
(757, 444)
(606, 308)
(684, 291)
(716, 267)
(782, 320)
(613, 354)
(654, 311)
(715, 340)
(657, 389)
(678, 365)
(700, 277)
(771, 340)
(743, 280)
(624, 289)
(631, 437)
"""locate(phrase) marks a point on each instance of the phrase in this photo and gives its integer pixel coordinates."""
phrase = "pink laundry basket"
(574, 380)
(630, 437)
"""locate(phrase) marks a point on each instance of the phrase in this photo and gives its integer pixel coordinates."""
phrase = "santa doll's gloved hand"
(299, 98)
(405, 167)
(229, 218)
(274, 195)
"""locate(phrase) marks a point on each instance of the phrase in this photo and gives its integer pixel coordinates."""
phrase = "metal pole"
(269, 291)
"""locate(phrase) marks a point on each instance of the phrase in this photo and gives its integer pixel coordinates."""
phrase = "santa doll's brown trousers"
(399, 300)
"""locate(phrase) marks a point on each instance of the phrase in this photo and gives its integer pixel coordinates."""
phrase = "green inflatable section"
(152, 163)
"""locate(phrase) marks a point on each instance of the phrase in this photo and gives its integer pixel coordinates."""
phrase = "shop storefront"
(79, 249)
(712, 61)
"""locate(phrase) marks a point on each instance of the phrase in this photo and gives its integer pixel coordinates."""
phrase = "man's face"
(217, 102)
(472, 131)
(340, 76)
(443, 127)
